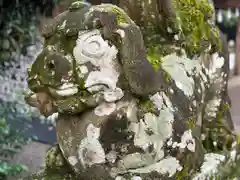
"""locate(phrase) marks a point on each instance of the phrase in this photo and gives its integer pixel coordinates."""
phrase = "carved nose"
(44, 103)
(46, 111)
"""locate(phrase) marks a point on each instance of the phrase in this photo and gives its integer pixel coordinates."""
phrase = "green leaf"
(2, 122)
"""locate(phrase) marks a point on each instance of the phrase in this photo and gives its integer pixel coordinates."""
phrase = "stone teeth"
(66, 86)
(66, 89)
(53, 117)
(67, 92)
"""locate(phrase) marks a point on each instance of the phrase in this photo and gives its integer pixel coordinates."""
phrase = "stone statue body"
(118, 117)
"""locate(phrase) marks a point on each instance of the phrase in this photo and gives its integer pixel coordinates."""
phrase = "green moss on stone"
(48, 174)
(194, 23)
(54, 158)
(147, 106)
(191, 123)
(194, 29)
(156, 53)
(238, 139)
(167, 76)
(154, 58)
(120, 16)
(183, 174)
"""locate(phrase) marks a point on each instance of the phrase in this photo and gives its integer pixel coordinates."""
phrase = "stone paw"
(54, 158)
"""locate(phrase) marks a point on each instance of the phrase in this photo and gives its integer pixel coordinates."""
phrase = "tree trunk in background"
(238, 48)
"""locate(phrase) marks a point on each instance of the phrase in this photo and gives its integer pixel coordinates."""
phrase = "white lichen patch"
(157, 100)
(83, 69)
(169, 165)
(234, 144)
(212, 108)
(121, 33)
(91, 47)
(111, 156)
(178, 67)
(113, 95)
(169, 142)
(203, 76)
(132, 112)
(52, 118)
(187, 141)
(154, 130)
(176, 37)
(216, 63)
(210, 165)
(169, 30)
(120, 178)
(134, 161)
(72, 160)
(63, 25)
(203, 137)
(105, 109)
(136, 178)
(168, 102)
(233, 155)
(90, 150)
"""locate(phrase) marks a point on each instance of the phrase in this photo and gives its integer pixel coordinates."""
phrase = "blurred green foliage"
(229, 22)
(18, 25)
(19, 20)
(10, 144)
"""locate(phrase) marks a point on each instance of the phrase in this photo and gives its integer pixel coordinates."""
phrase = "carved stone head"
(86, 50)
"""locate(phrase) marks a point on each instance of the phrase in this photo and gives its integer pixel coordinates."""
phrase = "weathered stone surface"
(128, 108)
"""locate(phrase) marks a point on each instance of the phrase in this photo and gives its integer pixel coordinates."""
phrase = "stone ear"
(115, 21)
(107, 20)
(132, 43)
(31, 100)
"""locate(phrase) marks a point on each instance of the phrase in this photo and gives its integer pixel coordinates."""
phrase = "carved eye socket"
(51, 66)
(97, 24)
